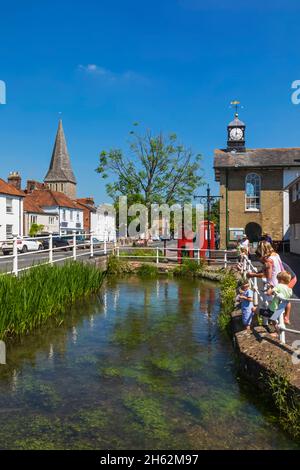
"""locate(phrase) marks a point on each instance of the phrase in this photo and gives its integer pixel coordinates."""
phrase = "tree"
(35, 229)
(158, 170)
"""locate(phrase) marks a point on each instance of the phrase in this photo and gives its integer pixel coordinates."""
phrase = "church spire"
(60, 170)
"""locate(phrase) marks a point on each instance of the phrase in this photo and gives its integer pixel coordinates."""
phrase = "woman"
(272, 267)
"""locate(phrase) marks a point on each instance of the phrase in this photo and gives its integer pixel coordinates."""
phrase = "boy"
(280, 292)
(246, 299)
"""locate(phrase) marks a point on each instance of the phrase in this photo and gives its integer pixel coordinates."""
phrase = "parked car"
(57, 242)
(23, 245)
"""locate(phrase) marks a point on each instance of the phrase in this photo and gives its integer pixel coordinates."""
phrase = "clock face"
(236, 134)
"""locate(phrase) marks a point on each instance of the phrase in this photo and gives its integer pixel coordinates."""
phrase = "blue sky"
(171, 65)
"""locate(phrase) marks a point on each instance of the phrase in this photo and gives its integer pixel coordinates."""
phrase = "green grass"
(146, 270)
(27, 301)
(117, 266)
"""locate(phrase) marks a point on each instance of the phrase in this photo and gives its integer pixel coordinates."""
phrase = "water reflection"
(141, 366)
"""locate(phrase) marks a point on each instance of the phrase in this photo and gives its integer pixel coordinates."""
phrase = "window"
(62, 187)
(77, 216)
(51, 220)
(71, 215)
(33, 219)
(64, 215)
(9, 206)
(252, 192)
(9, 231)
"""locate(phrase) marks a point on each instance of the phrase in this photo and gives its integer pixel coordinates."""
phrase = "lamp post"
(208, 200)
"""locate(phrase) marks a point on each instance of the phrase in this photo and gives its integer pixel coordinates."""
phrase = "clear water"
(142, 366)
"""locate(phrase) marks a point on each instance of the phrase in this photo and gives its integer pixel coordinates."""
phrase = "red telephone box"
(188, 244)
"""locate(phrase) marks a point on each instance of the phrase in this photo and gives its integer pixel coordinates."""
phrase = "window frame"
(253, 202)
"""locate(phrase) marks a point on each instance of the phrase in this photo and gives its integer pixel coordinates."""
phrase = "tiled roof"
(30, 205)
(9, 189)
(60, 169)
(48, 198)
(258, 157)
(90, 207)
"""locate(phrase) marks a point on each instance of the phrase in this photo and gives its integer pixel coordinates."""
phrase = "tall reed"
(42, 292)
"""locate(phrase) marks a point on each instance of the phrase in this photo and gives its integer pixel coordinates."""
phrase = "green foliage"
(147, 270)
(27, 301)
(228, 289)
(35, 229)
(286, 400)
(159, 170)
(190, 268)
(117, 266)
(139, 253)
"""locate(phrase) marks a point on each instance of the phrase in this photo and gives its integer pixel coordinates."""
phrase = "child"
(280, 292)
(246, 299)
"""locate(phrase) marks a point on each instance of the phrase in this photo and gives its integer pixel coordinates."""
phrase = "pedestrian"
(245, 243)
(282, 292)
(272, 266)
(245, 297)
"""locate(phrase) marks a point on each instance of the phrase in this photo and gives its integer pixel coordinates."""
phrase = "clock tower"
(236, 135)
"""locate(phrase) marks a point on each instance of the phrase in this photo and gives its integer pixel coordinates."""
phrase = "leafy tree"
(158, 169)
(35, 229)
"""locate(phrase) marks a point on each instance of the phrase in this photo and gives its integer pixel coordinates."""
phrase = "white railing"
(246, 266)
(171, 254)
(46, 252)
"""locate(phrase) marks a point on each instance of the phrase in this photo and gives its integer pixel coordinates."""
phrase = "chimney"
(14, 178)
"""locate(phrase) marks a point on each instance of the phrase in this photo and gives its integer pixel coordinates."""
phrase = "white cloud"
(110, 76)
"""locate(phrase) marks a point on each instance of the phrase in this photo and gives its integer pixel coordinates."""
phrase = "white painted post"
(157, 255)
(91, 245)
(282, 325)
(15, 256)
(118, 252)
(198, 255)
(105, 247)
(74, 245)
(225, 259)
(50, 248)
(255, 293)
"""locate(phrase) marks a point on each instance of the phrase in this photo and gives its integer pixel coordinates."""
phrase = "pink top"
(277, 267)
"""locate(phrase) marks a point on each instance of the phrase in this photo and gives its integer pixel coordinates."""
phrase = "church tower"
(60, 176)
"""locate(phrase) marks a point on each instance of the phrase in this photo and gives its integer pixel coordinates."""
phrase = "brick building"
(252, 183)
(294, 195)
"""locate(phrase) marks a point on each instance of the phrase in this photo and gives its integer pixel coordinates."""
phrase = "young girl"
(246, 299)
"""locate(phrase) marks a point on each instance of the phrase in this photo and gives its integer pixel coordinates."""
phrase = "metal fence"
(47, 253)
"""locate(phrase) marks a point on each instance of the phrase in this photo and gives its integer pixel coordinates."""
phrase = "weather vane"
(236, 104)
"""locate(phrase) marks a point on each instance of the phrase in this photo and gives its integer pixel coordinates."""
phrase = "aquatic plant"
(147, 270)
(117, 266)
(29, 300)
(190, 268)
(284, 397)
(228, 289)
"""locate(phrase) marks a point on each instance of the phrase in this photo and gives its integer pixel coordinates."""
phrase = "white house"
(34, 214)
(58, 205)
(11, 211)
(103, 222)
